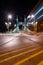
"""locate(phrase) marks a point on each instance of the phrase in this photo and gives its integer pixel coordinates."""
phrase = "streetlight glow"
(36, 22)
(9, 16)
(9, 23)
(32, 16)
(15, 25)
(5, 23)
(29, 16)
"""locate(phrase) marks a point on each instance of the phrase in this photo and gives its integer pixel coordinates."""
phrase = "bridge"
(21, 26)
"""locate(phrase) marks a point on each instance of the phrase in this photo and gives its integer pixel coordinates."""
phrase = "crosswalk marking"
(25, 59)
(20, 54)
(41, 63)
(14, 51)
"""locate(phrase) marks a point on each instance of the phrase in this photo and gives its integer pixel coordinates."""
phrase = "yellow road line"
(41, 63)
(20, 54)
(15, 51)
(25, 59)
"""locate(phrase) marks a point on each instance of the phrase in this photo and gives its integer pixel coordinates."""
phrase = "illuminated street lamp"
(32, 16)
(8, 24)
(28, 16)
(33, 22)
(15, 25)
(9, 16)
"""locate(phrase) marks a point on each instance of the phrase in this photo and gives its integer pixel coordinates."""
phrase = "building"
(37, 20)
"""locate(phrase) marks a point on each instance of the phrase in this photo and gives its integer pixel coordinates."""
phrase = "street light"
(8, 24)
(15, 25)
(9, 16)
(28, 16)
(32, 16)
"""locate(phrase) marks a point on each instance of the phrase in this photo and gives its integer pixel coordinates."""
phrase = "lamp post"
(17, 21)
(17, 24)
(31, 16)
(8, 24)
(33, 22)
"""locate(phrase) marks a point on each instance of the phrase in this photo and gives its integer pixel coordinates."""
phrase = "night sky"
(15, 7)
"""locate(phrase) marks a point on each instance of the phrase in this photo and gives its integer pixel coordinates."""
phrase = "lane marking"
(20, 54)
(15, 51)
(7, 42)
(29, 57)
(41, 63)
(31, 40)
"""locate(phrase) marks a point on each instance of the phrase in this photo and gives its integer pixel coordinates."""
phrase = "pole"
(17, 23)
(24, 23)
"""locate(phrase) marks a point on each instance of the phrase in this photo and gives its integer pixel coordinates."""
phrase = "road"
(21, 49)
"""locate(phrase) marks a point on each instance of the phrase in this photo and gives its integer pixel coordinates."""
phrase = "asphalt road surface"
(21, 49)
